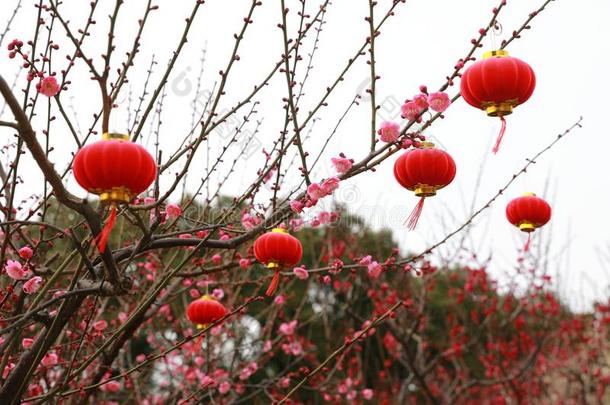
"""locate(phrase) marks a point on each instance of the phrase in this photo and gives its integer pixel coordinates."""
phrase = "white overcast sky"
(567, 47)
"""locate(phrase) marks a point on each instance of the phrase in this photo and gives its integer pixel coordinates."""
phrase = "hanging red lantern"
(205, 310)
(528, 213)
(115, 169)
(423, 170)
(277, 249)
(497, 84)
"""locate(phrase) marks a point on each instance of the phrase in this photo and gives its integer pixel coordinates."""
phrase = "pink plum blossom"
(330, 185)
(111, 386)
(341, 164)
(218, 293)
(315, 192)
(248, 371)
(7, 370)
(374, 269)
(206, 380)
(217, 259)
(15, 270)
(249, 222)
(244, 263)
(288, 328)
(202, 234)
(324, 217)
(421, 100)
(32, 285)
(50, 359)
(173, 211)
(269, 175)
(296, 224)
(100, 325)
(300, 273)
(367, 394)
(48, 86)
(410, 110)
(296, 206)
(27, 343)
(311, 202)
(293, 348)
(279, 299)
(366, 260)
(439, 102)
(388, 131)
(224, 387)
(26, 253)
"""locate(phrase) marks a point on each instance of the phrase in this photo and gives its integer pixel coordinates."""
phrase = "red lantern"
(528, 213)
(424, 171)
(497, 84)
(277, 249)
(205, 310)
(115, 169)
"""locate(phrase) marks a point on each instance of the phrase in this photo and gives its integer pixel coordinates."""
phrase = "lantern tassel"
(526, 247)
(274, 282)
(102, 238)
(411, 221)
(500, 135)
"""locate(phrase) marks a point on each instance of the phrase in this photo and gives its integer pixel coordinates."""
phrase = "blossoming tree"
(88, 322)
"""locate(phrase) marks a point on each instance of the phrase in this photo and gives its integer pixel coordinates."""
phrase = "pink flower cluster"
(316, 191)
(342, 164)
(373, 267)
(348, 389)
(14, 46)
(288, 328)
(438, 102)
(296, 224)
(294, 348)
(324, 218)
(248, 371)
(249, 221)
(18, 272)
(173, 211)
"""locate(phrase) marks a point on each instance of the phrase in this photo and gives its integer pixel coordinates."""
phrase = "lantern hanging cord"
(496, 31)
